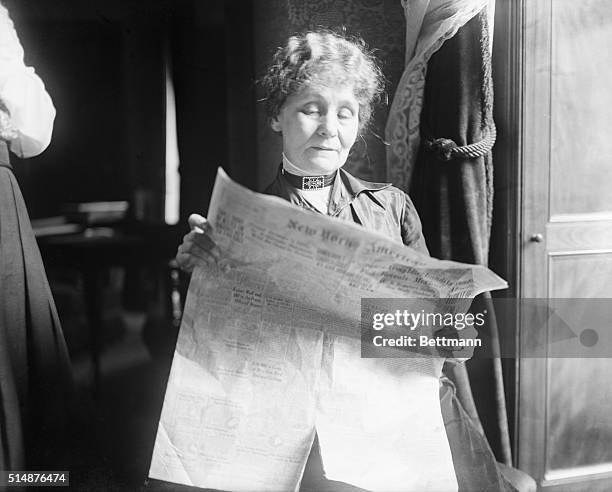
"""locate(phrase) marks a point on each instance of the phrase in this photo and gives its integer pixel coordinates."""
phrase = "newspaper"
(269, 353)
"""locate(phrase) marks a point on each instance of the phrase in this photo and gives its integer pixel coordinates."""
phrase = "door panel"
(579, 421)
(565, 404)
(579, 399)
(581, 147)
(586, 274)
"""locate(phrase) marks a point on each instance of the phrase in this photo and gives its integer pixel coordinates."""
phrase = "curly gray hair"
(326, 58)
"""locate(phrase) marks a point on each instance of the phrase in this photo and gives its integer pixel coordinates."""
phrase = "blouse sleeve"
(23, 95)
(412, 232)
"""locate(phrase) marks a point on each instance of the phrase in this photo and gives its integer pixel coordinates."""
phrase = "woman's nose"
(328, 126)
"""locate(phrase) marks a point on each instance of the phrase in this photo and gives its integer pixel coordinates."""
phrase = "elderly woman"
(319, 94)
(320, 91)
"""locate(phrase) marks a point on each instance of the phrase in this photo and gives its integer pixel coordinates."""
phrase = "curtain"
(440, 132)
(429, 23)
(200, 87)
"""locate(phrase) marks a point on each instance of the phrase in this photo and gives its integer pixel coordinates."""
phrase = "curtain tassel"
(446, 149)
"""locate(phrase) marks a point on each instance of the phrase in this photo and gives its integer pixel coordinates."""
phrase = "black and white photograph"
(305, 245)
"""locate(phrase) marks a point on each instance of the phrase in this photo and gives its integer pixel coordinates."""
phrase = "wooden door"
(564, 414)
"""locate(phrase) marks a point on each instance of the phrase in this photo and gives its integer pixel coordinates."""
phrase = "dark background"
(103, 63)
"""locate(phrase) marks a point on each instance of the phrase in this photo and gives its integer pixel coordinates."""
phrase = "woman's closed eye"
(311, 110)
(345, 114)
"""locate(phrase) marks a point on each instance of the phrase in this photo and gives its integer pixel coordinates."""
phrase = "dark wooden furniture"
(96, 249)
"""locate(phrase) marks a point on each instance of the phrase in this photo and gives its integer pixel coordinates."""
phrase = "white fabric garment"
(23, 94)
(428, 24)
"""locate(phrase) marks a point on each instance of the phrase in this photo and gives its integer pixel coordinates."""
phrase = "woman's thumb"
(197, 222)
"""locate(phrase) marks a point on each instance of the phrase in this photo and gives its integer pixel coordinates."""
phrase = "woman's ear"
(275, 124)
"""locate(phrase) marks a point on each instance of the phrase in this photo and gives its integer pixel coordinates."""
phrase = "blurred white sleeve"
(23, 93)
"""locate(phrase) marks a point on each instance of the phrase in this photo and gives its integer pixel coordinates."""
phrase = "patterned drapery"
(435, 21)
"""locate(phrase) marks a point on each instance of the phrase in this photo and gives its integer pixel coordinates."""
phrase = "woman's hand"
(198, 247)
(458, 354)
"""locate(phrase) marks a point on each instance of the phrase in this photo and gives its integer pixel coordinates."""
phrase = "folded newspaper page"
(269, 353)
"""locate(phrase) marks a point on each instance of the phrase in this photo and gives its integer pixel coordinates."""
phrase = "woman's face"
(319, 126)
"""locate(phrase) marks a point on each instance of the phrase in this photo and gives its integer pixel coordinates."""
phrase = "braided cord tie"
(446, 149)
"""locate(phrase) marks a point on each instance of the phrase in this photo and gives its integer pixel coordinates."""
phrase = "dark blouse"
(378, 207)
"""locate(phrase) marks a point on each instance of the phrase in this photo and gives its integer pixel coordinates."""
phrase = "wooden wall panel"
(565, 403)
(581, 147)
(579, 421)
